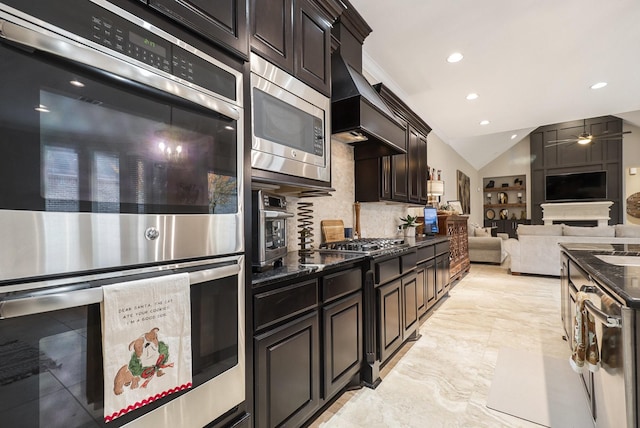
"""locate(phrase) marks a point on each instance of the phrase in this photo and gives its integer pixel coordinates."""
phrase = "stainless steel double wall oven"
(121, 158)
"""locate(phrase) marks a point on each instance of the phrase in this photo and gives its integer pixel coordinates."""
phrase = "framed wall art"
(464, 192)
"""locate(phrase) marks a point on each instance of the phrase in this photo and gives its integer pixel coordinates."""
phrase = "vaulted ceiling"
(531, 62)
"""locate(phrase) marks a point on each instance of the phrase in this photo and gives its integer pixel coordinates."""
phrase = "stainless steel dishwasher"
(613, 396)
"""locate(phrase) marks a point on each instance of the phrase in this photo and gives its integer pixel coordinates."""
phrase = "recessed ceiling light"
(77, 83)
(472, 96)
(484, 122)
(513, 137)
(598, 85)
(454, 57)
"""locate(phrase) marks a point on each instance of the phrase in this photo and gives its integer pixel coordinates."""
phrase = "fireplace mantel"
(576, 211)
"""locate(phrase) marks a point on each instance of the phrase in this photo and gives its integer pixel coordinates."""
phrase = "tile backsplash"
(377, 219)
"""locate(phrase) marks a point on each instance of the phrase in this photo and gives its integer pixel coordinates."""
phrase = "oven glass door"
(51, 369)
(275, 233)
(75, 141)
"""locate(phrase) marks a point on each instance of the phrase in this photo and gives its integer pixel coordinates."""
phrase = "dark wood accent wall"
(563, 158)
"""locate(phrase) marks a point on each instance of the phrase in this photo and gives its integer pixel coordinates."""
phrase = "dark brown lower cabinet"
(397, 314)
(421, 292)
(442, 275)
(409, 306)
(342, 322)
(428, 285)
(390, 321)
(308, 345)
(287, 373)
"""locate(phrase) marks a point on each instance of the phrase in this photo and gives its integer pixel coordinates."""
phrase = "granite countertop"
(292, 267)
(623, 281)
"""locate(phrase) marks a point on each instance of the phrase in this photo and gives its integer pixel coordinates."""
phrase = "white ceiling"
(531, 62)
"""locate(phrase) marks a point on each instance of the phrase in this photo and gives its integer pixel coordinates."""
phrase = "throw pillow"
(588, 231)
(541, 230)
(482, 231)
(627, 231)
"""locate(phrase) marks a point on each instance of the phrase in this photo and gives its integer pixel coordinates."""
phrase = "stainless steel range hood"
(360, 117)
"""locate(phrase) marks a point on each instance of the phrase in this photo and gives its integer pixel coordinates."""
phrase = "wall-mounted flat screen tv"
(430, 221)
(576, 186)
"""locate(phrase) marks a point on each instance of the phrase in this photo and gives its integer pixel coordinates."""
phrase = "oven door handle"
(49, 302)
(277, 214)
(603, 317)
(65, 299)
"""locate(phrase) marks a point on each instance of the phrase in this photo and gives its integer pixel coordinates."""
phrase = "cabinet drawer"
(442, 247)
(387, 270)
(426, 253)
(409, 261)
(340, 284)
(277, 305)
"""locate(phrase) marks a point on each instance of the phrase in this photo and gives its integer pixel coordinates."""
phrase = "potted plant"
(409, 225)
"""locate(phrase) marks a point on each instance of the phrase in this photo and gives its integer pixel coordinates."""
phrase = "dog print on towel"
(149, 358)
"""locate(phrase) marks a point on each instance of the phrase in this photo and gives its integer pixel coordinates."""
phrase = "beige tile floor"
(443, 379)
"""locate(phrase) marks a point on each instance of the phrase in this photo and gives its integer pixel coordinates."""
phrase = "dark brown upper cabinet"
(272, 31)
(223, 22)
(296, 36)
(397, 178)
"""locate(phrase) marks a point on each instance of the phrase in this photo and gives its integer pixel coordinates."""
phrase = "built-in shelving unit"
(505, 193)
(505, 203)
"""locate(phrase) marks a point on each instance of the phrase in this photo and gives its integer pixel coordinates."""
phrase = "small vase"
(410, 232)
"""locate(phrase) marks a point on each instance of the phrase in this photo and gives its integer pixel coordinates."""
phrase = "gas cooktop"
(365, 246)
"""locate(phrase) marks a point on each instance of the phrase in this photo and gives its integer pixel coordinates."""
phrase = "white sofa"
(484, 248)
(536, 250)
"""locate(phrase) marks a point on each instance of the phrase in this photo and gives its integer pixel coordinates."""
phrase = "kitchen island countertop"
(622, 281)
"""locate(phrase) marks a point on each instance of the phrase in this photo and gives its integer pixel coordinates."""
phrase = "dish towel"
(146, 342)
(585, 350)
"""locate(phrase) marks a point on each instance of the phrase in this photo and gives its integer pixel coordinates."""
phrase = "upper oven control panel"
(105, 24)
(150, 50)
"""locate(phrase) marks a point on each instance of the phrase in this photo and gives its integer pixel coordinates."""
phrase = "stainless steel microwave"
(289, 124)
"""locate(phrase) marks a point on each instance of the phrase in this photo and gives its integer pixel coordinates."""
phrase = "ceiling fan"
(586, 137)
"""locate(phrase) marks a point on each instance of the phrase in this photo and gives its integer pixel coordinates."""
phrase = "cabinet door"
(399, 188)
(422, 169)
(385, 191)
(389, 318)
(442, 274)
(409, 306)
(430, 283)
(342, 343)
(287, 373)
(421, 290)
(413, 179)
(272, 31)
(222, 21)
(312, 33)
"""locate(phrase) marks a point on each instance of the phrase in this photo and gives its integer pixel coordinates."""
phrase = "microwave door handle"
(49, 302)
(603, 317)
